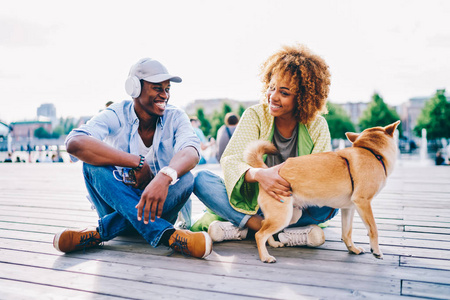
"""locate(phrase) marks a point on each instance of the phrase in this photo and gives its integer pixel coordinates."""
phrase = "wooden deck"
(38, 200)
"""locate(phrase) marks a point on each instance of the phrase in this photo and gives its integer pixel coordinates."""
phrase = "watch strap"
(171, 173)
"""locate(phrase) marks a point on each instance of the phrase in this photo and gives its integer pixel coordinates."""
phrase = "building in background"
(5, 138)
(354, 110)
(22, 133)
(409, 112)
(47, 111)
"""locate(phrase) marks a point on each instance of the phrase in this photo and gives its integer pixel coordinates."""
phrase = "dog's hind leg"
(347, 225)
(265, 234)
(290, 213)
(365, 212)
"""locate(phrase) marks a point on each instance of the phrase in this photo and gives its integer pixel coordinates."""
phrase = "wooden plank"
(388, 246)
(436, 230)
(263, 272)
(21, 290)
(332, 233)
(427, 290)
(138, 288)
(420, 262)
(412, 214)
(225, 261)
(115, 279)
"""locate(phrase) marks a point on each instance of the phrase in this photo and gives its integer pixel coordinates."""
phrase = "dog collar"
(379, 157)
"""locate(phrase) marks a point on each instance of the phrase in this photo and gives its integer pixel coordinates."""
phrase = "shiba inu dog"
(347, 179)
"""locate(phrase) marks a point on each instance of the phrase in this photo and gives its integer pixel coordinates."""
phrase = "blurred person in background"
(225, 132)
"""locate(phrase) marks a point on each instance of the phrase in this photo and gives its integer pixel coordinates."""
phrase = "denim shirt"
(118, 126)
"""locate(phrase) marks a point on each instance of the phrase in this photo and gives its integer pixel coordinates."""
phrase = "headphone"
(133, 84)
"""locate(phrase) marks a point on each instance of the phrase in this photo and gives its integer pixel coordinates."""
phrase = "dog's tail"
(253, 155)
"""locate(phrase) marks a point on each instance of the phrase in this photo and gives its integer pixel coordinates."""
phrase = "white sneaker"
(311, 235)
(225, 231)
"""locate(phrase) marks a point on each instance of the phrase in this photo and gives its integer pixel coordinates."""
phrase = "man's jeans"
(210, 189)
(115, 203)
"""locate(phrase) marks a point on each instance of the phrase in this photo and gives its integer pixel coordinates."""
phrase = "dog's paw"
(377, 255)
(276, 244)
(356, 250)
(269, 259)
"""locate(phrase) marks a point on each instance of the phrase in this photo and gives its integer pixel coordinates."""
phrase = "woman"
(296, 85)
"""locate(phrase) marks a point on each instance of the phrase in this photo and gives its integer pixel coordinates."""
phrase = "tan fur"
(323, 179)
(255, 151)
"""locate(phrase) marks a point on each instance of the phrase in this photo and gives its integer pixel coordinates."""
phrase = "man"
(225, 132)
(150, 147)
(204, 144)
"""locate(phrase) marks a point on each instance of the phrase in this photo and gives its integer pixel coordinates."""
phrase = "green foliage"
(211, 124)
(41, 133)
(205, 124)
(67, 125)
(338, 121)
(435, 117)
(64, 127)
(241, 110)
(378, 114)
(218, 118)
(59, 130)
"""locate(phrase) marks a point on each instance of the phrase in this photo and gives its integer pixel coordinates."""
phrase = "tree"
(378, 113)
(205, 124)
(435, 117)
(241, 110)
(338, 121)
(218, 118)
(64, 127)
(41, 133)
(59, 130)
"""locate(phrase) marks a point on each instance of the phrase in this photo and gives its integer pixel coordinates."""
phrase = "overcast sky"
(77, 54)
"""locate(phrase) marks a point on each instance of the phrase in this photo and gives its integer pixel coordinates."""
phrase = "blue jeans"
(210, 189)
(115, 203)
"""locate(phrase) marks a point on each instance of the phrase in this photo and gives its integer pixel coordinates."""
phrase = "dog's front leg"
(365, 212)
(276, 217)
(347, 225)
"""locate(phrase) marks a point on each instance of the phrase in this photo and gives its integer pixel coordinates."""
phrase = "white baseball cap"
(152, 71)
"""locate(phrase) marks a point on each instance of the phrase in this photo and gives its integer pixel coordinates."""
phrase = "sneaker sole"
(56, 240)
(208, 244)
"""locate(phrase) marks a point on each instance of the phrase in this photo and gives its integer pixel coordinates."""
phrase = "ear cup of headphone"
(133, 86)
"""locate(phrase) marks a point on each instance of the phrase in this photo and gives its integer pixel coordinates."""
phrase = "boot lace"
(180, 245)
(231, 232)
(88, 240)
(297, 237)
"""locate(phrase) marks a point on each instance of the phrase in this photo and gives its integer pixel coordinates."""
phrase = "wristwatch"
(171, 173)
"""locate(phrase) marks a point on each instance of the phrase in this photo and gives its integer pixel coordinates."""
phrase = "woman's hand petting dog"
(271, 182)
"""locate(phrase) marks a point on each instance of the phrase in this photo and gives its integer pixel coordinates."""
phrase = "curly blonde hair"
(309, 77)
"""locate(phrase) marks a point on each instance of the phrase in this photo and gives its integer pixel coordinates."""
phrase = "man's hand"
(143, 176)
(153, 198)
(270, 181)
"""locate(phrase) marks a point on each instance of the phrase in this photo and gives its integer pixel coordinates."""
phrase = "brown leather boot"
(71, 240)
(195, 244)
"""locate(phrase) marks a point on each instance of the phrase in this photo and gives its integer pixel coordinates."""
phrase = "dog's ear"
(391, 128)
(351, 136)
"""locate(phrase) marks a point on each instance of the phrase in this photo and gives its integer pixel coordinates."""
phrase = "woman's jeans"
(210, 189)
(115, 203)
